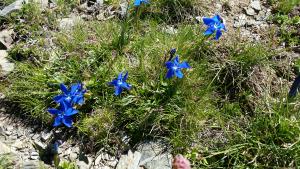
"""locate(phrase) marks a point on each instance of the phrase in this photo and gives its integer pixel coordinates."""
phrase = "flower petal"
(169, 64)
(222, 27)
(137, 2)
(113, 83)
(208, 21)
(67, 122)
(170, 73)
(118, 90)
(184, 65)
(75, 88)
(58, 98)
(126, 85)
(178, 73)
(57, 121)
(120, 76)
(218, 34)
(217, 18)
(53, 111)
(64, 88)
(71, 112)
(209, 31)
(176, 60)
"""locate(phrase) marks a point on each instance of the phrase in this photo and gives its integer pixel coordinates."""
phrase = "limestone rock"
(129, 161)
(5, 66)
(255, 5)
(17, 5)
(6, 39)
(154, 156)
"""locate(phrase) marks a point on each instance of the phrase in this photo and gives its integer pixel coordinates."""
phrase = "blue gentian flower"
(139, 2)
(64, 114)
(74, 95)
(215, 24)
(295, 87)
(174, 68)
(120, 83)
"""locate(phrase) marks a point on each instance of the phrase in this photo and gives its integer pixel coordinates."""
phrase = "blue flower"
(139, 2)
(215, 24)
(63, 114)
(120, 83)
(174, 68)
(74, 95)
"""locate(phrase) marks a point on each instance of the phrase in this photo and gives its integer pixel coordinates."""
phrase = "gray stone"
(18, 145)
(46, 136)
(255, 4)
(5, 65)
(34, 155)
(6, 39)
(129, 161)
(17, 5)
(154, 156)
(124, 7)
(250, 11)
(4, 149)
(85, 164)
(68, 23)
(39, 145)
(73, 156)
(240, 21)
(170, 30)
(30, 165)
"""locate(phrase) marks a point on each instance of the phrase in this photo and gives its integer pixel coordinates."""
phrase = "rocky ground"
(30, 148)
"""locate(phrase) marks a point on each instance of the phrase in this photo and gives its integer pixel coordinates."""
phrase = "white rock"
(5, 66)
(153, 156)
(4, 149)
(6, 38)
(17, 5)
(68, 23)
(129, 161)
(250, 11)
(255, 5)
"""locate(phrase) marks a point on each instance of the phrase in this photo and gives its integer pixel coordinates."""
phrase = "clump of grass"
(6, 162)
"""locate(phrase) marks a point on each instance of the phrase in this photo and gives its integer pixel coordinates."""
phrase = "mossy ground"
(229, 110)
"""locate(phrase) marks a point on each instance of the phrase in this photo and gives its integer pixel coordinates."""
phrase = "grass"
(5, 162)
(230, 110)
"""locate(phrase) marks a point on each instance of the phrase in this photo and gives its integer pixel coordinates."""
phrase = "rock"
(240, 21)
(30, 165)
(46, 136)
(68, 23)
(255, 4)
(98, 160)
(154, 157)
(4, 149)
(17, 5)
(124, 7)
(170, 30)
(39, 145)
(18, 145)
(129, 161)
(73, 156)
(253, 22)
(5, 65)
(6, 39)
(198, 19)
(250, 11)
(86, 164)
(34, 155)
